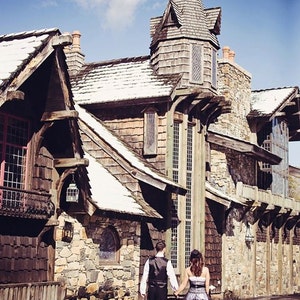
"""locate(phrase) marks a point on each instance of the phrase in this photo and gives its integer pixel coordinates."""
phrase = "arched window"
(109, 245)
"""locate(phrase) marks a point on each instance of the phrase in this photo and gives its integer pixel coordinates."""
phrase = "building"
(210, 133)
(173, 145)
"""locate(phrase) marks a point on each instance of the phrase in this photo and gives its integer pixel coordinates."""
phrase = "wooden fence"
(32, 291)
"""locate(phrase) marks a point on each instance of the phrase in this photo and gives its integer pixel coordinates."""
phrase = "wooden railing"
(252, 193)
(26, 204)
(32, 291)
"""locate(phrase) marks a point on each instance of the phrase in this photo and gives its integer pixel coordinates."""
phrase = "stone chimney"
(75, 58)
(228, 53)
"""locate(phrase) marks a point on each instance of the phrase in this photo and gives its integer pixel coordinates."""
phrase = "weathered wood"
(62, 40)
(70, 162)
(59, 115)
(28, 291)
(15, 95)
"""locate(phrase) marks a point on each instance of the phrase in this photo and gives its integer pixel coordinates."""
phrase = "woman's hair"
(197, 262)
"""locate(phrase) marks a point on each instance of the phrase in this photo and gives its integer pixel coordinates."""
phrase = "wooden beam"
(59, 115)
(243, 147)
(70, 162)
(62, 40)
(15, 95)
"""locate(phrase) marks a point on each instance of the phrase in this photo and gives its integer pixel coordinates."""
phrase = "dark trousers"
(157, 291)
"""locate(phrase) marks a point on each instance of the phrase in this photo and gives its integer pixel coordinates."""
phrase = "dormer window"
(150, 131)
(196, 74)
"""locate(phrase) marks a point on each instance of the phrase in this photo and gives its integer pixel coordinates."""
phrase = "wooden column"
(268, 260)
(279, 262)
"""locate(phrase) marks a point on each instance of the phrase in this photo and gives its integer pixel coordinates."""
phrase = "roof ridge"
(275, 88)
(25, 34)
(119, 60)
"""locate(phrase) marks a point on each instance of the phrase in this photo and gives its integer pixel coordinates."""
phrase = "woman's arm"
(207, 280)
(183, 283)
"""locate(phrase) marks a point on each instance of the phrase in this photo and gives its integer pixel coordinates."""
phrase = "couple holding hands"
(158, 269)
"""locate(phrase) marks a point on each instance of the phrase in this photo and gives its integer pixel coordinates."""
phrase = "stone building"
(193, 116)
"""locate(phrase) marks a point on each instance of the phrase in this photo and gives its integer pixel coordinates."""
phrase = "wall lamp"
(68, 232)
(249, 238)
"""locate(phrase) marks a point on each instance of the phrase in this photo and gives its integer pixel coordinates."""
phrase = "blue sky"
(263, 33)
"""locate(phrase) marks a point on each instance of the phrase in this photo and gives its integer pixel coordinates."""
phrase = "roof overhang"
(243, 147)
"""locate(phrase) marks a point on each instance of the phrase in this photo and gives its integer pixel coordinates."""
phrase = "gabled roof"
(267, 102)
(120, 80)
(17, 50)
(109, 194)
(139, 168)
(191, 21)
(213, 17)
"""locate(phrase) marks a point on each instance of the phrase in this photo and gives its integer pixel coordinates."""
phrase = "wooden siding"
(24, 259)
(213, 244)
(28, 291)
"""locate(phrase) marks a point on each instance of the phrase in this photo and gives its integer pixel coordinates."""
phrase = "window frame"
(107, 232)
(196, 63)
(150, 131)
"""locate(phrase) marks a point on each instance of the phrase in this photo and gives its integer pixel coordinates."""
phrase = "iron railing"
(26, 204)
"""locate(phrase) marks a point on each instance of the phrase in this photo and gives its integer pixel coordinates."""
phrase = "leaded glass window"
(196, 64)
(109, 245)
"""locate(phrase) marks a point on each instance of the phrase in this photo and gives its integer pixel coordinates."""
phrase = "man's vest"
(158, 271)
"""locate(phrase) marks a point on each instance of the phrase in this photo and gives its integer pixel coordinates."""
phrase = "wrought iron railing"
(26, 204)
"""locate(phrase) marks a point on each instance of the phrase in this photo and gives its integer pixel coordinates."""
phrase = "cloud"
(114, 14)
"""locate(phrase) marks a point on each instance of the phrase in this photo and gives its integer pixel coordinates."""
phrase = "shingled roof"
(118, 80)
(191, 20)
(142, 170)
(16, 51)
(266, 102)
(110, 195)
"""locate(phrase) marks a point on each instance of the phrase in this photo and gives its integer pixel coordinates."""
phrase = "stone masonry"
(78, 262)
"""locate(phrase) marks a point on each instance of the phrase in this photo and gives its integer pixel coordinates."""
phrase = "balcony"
(25, 204)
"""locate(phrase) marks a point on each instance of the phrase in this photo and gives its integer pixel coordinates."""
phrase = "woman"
(198, 276)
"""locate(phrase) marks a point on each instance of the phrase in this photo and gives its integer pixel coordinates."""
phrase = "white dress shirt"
(170, 273)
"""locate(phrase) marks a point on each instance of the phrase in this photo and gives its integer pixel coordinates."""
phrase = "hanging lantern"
(72, 193)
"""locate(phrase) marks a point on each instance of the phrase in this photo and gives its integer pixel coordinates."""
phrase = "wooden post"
(268, 260)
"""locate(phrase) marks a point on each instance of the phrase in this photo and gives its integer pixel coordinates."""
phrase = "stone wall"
(78, 262)
(260, 268)
(234, 83)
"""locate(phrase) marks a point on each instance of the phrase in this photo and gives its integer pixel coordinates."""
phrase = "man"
(157, 270)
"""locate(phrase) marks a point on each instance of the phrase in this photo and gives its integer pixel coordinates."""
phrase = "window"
(188, 204)
(196, 64)
(14, 137)
(214, 68)
(174, 223)
(150, 132)
(109, 245)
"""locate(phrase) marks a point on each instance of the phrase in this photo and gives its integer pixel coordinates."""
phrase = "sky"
(262, 33)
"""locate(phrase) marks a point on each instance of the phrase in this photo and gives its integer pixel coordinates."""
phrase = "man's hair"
(160, 245)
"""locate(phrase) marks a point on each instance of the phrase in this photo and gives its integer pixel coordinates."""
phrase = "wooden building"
(40, 147)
